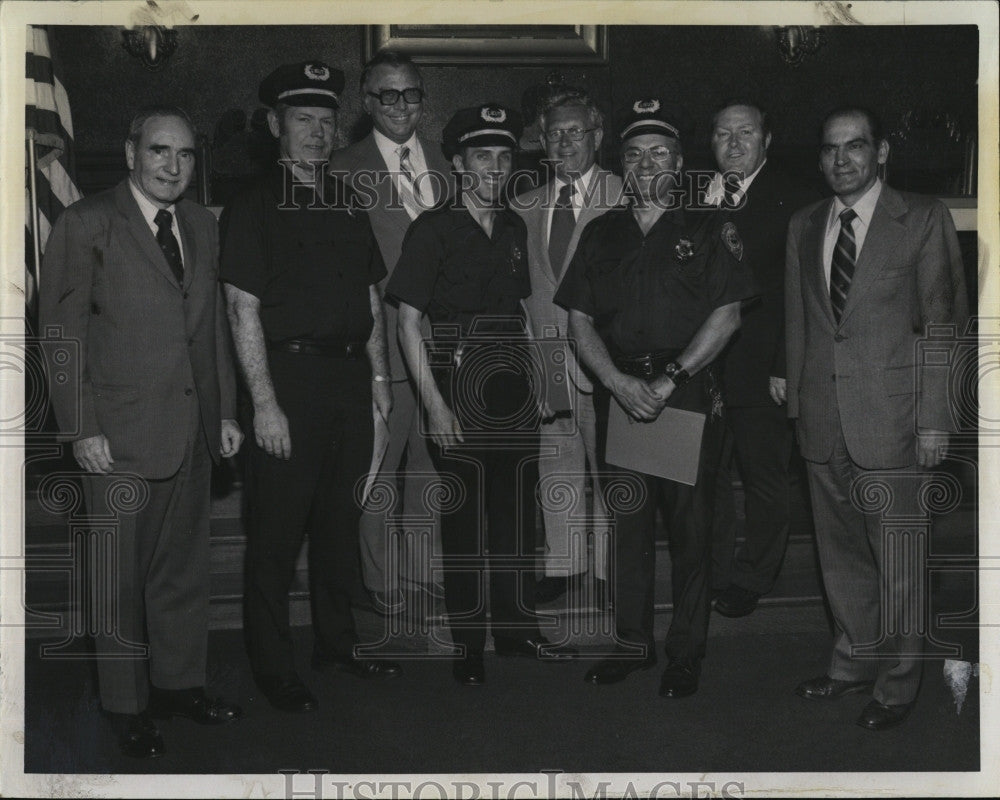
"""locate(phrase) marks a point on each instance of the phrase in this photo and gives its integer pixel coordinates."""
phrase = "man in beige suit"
(555, 214)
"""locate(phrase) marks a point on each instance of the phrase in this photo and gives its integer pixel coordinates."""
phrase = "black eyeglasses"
(389, 97)
(573, 134)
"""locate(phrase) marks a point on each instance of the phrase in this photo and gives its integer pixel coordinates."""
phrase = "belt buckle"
(647, 365)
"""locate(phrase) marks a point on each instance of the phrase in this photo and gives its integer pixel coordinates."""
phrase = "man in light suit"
(555, 214)
(402, 175)
(867, 272)
(132, 275)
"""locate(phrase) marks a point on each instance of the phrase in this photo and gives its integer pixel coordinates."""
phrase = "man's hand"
(382, 396)
(931, 447)
(663, 387)
(94, 454)
(270, 428)
(444, 427)
(636, 397)
(778, 389)
(232, 438)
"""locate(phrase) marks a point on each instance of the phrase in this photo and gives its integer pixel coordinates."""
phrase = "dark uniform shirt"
(453, 271)
(652, 292)
(310, 267)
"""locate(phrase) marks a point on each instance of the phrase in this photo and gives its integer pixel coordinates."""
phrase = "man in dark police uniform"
(465, 265)
(654, 294)
(300, 267)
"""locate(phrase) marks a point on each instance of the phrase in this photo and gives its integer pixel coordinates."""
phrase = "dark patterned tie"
(406, 167)
(842, 264)
(168, 243)
(563, 223)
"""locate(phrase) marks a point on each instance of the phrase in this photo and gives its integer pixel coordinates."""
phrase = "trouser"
(314, 493)
(761, 439)
(409, 519)
(160, 579)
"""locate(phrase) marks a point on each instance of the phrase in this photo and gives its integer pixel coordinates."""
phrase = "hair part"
(394, 59)
(150, 112)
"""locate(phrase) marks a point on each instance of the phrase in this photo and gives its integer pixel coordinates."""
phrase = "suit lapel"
(812, 258)
(140, 231)
(189, 246)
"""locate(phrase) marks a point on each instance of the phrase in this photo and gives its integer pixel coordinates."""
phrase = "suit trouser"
(859, 580)
(328, 404)
(377, 538)
(761, 439)
(162, 582)
(568, 454)
(688, 514)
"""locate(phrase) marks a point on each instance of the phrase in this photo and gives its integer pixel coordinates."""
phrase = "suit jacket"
(757, 350)
(388, 218)
(603, 193)
(867, 370)
(148, 347)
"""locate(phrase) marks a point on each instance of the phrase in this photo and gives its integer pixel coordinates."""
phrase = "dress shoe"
(137, 735)
(362, 667)
(551, 588)
(827, 688)
(288, 694)
(538, 647)
(193, 704)
(433, 590)
(391, 602)
(469, 671)
(735, 601)
(614, 670)
(680, 679)
(878, 716)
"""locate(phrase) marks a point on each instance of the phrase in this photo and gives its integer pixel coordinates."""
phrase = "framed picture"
(492, 44)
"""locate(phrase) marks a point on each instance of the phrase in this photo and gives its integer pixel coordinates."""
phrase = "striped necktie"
(406, 167)
(842, 264)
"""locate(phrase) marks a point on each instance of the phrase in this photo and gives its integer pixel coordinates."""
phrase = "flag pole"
(35, 233)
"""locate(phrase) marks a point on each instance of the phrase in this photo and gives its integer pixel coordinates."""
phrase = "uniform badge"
(684, 250)
(316, 72)
(646, 106)
(493, 114)
(732, 240)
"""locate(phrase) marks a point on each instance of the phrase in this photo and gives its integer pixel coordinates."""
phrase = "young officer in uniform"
(300, 266)
(654, 294)
(465, 266)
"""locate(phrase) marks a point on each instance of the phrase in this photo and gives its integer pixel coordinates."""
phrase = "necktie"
(168, 243)
(406, 167)
(842, 264)
(563, 223)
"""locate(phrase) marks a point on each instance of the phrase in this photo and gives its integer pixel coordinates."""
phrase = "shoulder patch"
(731, 238)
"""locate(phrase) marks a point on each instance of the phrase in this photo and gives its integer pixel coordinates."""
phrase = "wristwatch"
(676, 373)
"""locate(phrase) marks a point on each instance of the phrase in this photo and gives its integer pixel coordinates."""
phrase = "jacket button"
(186, 295)
(188, 392)
(833, 377)
(839, 337)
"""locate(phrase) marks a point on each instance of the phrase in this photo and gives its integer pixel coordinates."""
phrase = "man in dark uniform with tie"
(654, 294)
(300, 266)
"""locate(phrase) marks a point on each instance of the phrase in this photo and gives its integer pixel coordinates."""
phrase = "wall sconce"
(151, 44)
(795, 41)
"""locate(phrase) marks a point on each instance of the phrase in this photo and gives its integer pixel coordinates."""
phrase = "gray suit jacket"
(148, 347)
(866, 370)
(547, 318)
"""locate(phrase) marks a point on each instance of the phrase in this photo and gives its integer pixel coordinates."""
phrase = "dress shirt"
(390, 154)
(576, 199)
(864, 208)
(148, 211)
(716, 189)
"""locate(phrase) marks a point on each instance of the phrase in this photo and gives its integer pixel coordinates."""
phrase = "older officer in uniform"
(654, 294)
(300, 266)
(465, 266)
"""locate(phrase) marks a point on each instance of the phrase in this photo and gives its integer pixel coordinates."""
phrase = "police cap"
(488, 125)
(648, 116)
(309, 83)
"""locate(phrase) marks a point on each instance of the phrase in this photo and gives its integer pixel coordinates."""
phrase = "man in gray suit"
(866, 272)
(555, 214)
(132, 275)
(403, 175)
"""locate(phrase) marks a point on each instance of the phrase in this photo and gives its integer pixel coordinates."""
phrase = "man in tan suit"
(866, 272)
(555, 214)
(132, 274)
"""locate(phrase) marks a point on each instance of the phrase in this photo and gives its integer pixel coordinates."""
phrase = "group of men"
(387, 291)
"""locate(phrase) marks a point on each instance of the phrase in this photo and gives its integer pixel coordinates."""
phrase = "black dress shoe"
(137, 735)
(193, 704)
(388, 603)
(735, 601)
(288, 694)
(362, 667)
(614, 670)
(827, 688)
(538, 647)
(551, 588)
(469, 671)
(878, 716)
(680, 679)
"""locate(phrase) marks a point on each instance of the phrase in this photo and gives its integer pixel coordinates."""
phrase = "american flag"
(47, 120)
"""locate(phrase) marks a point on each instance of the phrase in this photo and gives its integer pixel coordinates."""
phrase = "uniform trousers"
(315, 493)
(160, 578)
(688, 514)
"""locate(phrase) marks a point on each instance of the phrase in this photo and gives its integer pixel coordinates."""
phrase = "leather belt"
(646, 365)
(320, 347)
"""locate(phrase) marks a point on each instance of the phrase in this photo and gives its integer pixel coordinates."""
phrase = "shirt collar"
(387, 147)
(146, 207)
(745, 183)
(864, 208)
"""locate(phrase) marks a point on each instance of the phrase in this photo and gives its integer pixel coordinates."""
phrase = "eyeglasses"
(389, 97)
(659, 153)
(573, 134)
